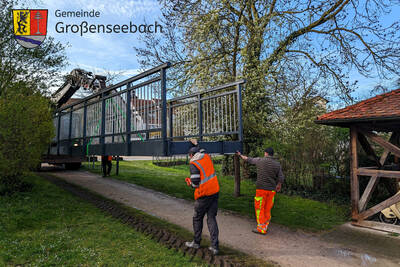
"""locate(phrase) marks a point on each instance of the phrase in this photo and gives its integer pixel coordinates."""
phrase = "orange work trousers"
(263, 203)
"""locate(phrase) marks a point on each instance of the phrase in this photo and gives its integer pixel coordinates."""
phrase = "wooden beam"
(384, 156)
(366, 196)
(379, 173)
(368, 149)
(355, 191)
(386, 152)
(373, 182)
(381, 206)
(386, 144)
(390, 228)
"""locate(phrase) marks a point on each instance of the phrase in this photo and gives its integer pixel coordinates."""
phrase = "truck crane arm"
(76, 79)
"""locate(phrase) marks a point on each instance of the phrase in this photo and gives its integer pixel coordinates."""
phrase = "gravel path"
(346, 246)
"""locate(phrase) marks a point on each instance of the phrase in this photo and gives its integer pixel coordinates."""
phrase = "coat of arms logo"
(30, 26)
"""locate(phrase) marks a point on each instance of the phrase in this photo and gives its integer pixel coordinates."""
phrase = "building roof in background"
(70, 101)
(379, 108)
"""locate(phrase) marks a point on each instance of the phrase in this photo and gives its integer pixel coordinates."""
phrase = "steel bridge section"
(134, 118)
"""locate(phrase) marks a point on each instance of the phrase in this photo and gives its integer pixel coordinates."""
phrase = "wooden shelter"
(380, 114)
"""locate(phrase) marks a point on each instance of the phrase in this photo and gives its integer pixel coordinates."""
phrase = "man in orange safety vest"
(205, 182)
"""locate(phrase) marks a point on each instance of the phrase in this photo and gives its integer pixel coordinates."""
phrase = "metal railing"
(130, 110)
(215, 112)
(134, 117)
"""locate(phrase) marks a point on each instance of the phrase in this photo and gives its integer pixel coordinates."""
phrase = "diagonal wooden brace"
(386, 144)
(377, 208)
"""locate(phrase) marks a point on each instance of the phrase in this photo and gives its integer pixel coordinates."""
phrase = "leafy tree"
(25, 131)
(218, 41)
(212, 42)
(25, 115)
(39, 66)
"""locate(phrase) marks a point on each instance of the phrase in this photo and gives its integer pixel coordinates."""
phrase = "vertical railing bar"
(185, 114)
(227, 113)
(214, 116)
(136, 109)
(84, 126)
(113, 118)
(208, 116)
(193, 122)
(230, 113)
(103, 125)
(58, 132)
(145, 105)
(70, 131)
(179, 118)
(146, 96)
(233, 112)
(140, 100)
(128, 121)
(219, 113)
(239, 92)
(148, 108)
(182, 120)
(196, 122)
(225, 120)
(178, 122)
(164, 110)
(205, 112)
(222, 113)
(171, 132)
(151, 106)
(159, 105)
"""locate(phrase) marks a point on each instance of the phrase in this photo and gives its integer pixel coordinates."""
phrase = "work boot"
(214, 251)
(258, 232)
(192, 245)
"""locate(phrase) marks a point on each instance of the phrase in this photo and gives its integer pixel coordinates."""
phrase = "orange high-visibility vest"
(109, 158)
(208, 179)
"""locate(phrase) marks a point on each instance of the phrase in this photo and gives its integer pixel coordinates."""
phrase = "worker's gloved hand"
(194, 142)
(188, 181)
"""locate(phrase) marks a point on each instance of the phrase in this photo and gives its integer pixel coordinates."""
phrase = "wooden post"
(236, 164)
(355, 191)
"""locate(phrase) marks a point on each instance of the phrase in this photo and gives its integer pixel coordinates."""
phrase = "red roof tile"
(386, 105)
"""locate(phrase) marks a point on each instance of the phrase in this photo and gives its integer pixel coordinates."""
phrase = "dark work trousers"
(203, 205)
(106, 164)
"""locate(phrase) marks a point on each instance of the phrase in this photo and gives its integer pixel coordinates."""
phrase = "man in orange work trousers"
(205, 182)
(106, 165)
(269, 181)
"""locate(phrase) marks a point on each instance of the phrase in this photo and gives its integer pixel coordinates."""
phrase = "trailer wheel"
(383, 219)
(73, 165)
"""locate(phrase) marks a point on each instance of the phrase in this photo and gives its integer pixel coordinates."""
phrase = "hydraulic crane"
(78, 78)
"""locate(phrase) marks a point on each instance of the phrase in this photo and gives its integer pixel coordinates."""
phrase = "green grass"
(291, 211)
(48, 226)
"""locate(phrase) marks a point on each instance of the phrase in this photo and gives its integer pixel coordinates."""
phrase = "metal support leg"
(236, 163)
(117, 166)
